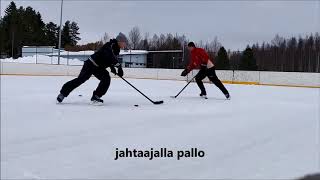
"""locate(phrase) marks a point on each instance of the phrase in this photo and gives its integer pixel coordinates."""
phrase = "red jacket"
(198, 57)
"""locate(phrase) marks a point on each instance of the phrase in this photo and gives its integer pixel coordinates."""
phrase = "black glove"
(184, 72)
(113, 70)
(120, 71)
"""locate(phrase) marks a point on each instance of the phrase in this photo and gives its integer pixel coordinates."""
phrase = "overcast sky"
(235, 23)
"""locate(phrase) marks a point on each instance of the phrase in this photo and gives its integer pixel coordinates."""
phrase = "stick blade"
(158, 102)
(173, 96)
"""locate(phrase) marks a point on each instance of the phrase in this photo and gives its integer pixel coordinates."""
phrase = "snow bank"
(42, 59)
(46, 65)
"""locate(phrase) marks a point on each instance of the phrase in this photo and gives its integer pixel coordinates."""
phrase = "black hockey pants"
(89, 69)
(211, 74)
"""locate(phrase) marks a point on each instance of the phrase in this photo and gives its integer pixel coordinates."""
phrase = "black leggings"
(88, 69)
(211, 73)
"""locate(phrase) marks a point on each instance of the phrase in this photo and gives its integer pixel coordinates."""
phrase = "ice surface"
(261, 133)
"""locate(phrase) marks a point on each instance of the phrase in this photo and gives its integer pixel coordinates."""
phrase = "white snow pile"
(42, 59)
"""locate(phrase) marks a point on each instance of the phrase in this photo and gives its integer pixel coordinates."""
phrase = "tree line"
(25, 27)
(300, 54)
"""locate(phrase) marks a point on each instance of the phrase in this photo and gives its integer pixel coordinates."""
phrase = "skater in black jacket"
(96, 65)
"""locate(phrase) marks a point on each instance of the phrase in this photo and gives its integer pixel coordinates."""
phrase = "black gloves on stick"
(120, 71)
(185, 72)
(114, 71)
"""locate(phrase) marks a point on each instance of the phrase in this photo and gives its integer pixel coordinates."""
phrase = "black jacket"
(107, 55)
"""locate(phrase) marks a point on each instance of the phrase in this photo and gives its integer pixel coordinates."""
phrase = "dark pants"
(88, 69)
(211, 73)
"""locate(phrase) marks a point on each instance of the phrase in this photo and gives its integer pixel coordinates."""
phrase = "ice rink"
(263, 132)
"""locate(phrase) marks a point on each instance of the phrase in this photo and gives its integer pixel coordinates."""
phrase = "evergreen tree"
(51, 32)
(248, 61)
(66, 35)
(74, 33)
(222, 60)
(20, 27)
(33, 32)
(9, 23)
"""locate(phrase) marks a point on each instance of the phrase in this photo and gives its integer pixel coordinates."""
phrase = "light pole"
(0, 10)
(130, 58)
(318, 63)
(12, 45)
(60, 32)
(173, 62)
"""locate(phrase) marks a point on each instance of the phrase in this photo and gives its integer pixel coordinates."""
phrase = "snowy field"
(263, 132)
(42, 59)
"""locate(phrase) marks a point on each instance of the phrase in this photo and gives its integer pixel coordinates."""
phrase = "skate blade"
(204, 97)
(96, 103)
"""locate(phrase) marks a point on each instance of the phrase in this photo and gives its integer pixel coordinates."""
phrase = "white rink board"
(290, 78)
(246, 77)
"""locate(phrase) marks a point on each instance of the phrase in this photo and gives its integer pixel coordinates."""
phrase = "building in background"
(169, 59)
(128, 58)
(133, 58)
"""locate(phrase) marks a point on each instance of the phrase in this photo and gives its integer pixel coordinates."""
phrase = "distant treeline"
(300, 54)
(293, 54)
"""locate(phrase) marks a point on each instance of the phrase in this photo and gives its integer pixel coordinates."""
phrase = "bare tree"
(154, 42)
(144, 43)
(105, 38)
(214, 45)
(146, 35)
(162, 40)
(200, 44)
(277, 41)
(182, 39)
(134, 37)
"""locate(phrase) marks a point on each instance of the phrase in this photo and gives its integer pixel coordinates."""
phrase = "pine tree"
(9, 22)
(248, 61)
(65, 35)
(33, 28)
(74, 32)
(222, 60)
(51, 32)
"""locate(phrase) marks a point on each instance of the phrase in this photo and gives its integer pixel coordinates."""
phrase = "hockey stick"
(183, 88)
(154, 102)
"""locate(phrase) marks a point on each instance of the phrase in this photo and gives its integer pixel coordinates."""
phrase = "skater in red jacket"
(200, 60)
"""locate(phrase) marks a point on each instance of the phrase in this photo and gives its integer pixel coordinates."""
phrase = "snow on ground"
(52, 58)
(263, 132)
(42, 59)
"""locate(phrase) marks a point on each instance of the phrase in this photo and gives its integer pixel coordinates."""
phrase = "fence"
(227, 76)
(67, 58)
